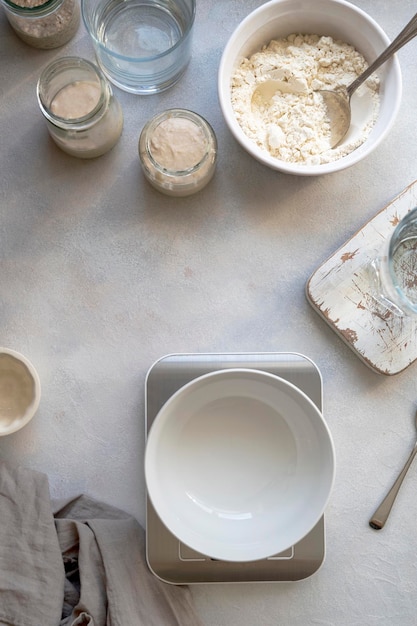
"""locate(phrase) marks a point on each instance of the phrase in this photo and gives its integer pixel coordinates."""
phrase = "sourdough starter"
(178, 144)
(76, 100)
(294, 126)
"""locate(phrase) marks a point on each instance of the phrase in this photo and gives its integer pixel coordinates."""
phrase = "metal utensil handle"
(407, 34)
(380, 516)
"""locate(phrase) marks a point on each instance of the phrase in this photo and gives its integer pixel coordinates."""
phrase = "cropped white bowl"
(334, 18)
(20, 391)
(239, 465)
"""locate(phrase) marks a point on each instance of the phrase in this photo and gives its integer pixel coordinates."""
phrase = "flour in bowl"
(293, 126)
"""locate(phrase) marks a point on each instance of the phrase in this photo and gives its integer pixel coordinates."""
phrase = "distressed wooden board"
(341, 291)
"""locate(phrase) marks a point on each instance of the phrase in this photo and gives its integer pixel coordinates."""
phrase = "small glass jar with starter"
(43, 23)
(178, 152)
(83, 117)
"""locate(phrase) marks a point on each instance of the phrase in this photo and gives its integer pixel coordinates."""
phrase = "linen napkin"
(83, 566)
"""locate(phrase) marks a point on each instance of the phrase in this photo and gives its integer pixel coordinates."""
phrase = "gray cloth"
(83, 567)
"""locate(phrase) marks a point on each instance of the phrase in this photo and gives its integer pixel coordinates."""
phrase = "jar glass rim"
(34, 10)
(210, 139)
(67, 63)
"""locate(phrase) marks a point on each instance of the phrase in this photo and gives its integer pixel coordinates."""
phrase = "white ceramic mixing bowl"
(335, 18)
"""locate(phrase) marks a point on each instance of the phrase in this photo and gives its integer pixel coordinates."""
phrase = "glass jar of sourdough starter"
(178, 152)
(82, 114)
(43, 23)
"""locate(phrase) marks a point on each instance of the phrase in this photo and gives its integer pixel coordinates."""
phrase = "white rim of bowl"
(37, 391)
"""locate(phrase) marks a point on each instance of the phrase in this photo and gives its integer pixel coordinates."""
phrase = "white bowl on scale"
(239, 464)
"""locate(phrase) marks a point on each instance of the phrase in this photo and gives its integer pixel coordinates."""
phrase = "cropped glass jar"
(43, 24)
(83, 117)
(178, 152)
(394, 269)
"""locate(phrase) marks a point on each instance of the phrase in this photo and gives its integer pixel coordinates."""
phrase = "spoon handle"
(380, 516)
(407, 34)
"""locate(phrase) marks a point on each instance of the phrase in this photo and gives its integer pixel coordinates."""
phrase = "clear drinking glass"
(142, 46)
(395, 270)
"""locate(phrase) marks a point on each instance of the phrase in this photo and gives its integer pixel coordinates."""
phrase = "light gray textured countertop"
(100, 275)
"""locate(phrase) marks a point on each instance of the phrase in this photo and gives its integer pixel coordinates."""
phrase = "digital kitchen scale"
(171, 560)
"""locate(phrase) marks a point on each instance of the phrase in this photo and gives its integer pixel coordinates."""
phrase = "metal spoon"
(380, 516)
(337, 101)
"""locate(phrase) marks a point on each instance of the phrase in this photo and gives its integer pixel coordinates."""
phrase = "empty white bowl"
(335, 18)
(239, 465)
(20, 391)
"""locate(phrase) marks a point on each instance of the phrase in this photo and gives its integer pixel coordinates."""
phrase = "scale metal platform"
(167, 557)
